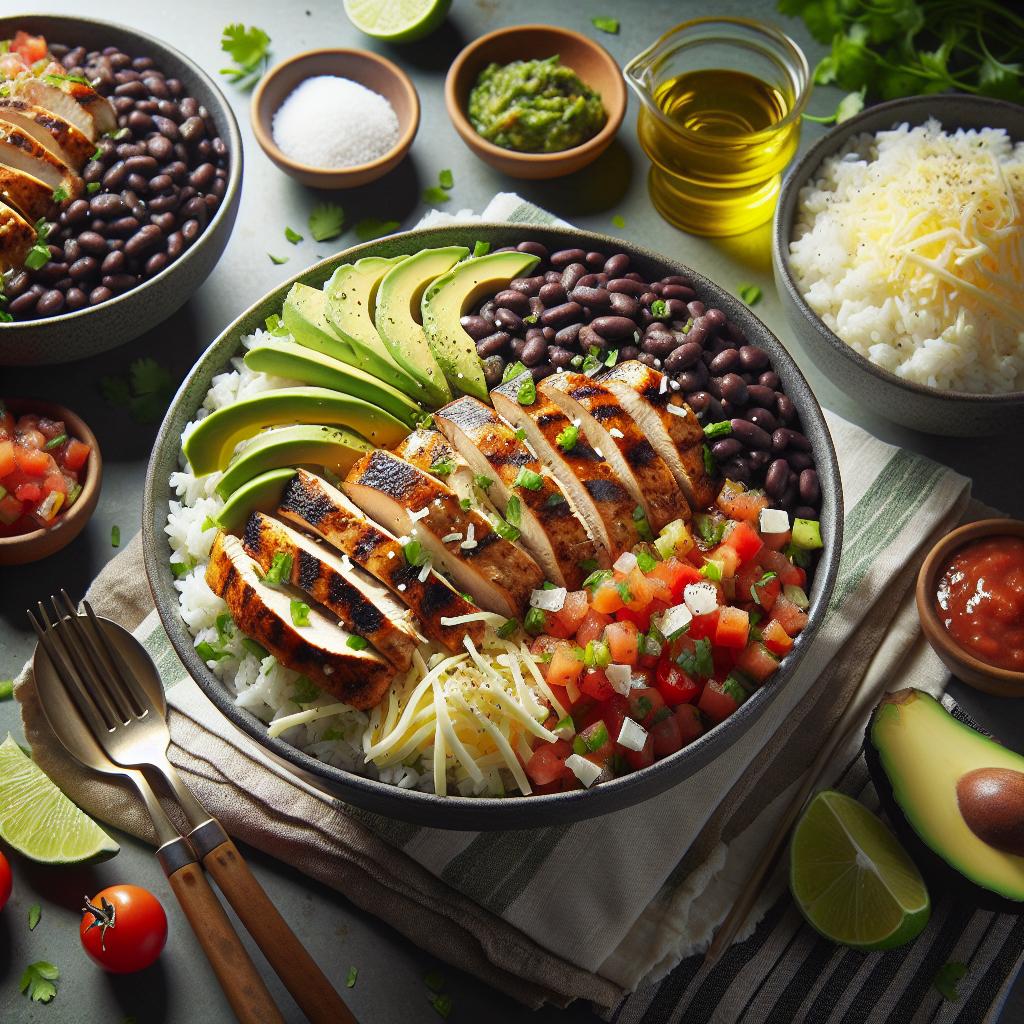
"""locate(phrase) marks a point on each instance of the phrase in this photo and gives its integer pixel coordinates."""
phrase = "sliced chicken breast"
(362, 604)
(21, 152)
(406, 500)
(60, 137)
(17, 236)
(588, 480)
(669, 424)
(316, 505)
(551, 531)
(320, 650)
(26, 193)
(79, 104)
(613, 432)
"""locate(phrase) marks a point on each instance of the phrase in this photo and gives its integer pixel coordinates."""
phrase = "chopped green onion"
(483, 482)
(645, 561)
(531, 319)
(609, 25)
(481, 248)
(618, 221)
(596, 578)
(208, 652)
(529, 479)
(442, 467)
(749, 293)
(434, 981)
(60, 193)
(512, 371)
(527, 393)
(612, 358)
(535, 622)
(715, 430)
(277, 260)
(442, 1004)
(659, 308)
(300, 612)
(225, 625)
(38, 256)
(55, 442)
(465, 504)
(93, 187)
(709, 460)
(178, 569)
(624, 592)
(565, 728)
(567, 438)
(507, 628)
(514, 511)
(712, 571)
(293, 236)
(350, 981)
(357, 643)
(445, 178)
(520, 434)
(255, 649)
(554, 500)
(280, 569)
(506, 530)
(115, 536)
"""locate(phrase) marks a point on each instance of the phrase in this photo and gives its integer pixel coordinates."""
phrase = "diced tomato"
(638, 591)
(597, 741)
(643, 758)
(751, 586)
(75, 455)
(543, 645)
(725, 659)
(777, 541)
(6, 458)
(644, 703)
(54, 482)
(757, 662)
(31, 460)
(548, 762)
(788, 616)
(660, 590)
(595, 684)
(728, 560)
(606, 597)
(29, 48)
(613, 711)
(744, 540)
(733, 627)
(738, 503)
(563, 784)
(572, 613)
(702, 626)
(621, 638)
(50, 428)
(674, 684)
(716, 702)
(691, 725)
(800, 577)
(775, 638)
(665, 733)
(10, 509)
(642, 620)
(777, 562)
(676, 574)
(566, 665)
(28, 492)
(592, 627)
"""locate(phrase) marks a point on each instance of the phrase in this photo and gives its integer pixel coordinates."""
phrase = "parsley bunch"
(884, 49)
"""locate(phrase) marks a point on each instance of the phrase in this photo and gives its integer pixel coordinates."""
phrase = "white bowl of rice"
(899, 255)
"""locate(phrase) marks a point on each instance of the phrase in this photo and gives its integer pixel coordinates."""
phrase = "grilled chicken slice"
(551, 530)
(17, 236)
(499, 576)
(599, 497)
(92, 114)
(60, 137)
(614, 433)
(315, 505)
(20, 152)
(319, 650)
(669, 424)
(25, 192)
(359, 601)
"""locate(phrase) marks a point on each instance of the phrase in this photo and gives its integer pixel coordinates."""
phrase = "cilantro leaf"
(371, 228)
(946, 978)
(38, 981)
(609, 25)
(434, 194)
(277, 260)
(293, 236)
(326, 221)
(350, 981)
(34, 913)
(246, 46)
(749, 293)
(446, 179)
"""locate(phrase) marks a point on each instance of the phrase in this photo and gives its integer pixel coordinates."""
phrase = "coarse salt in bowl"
(334, 122)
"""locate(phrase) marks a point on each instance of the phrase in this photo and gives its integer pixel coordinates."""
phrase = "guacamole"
(535, 106)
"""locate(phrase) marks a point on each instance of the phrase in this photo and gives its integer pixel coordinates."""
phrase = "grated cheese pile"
(910, 246)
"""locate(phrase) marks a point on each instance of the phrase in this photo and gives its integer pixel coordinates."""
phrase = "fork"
(129, 725)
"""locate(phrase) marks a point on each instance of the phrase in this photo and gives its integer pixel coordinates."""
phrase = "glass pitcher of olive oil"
(720, 119)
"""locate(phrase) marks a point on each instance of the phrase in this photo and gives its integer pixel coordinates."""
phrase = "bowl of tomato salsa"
(970, 596)
(50, 471)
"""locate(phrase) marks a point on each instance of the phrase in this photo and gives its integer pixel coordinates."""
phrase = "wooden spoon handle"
(289, 958)
(235, 971)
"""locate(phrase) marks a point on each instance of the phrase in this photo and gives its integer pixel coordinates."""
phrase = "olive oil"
(721, 102)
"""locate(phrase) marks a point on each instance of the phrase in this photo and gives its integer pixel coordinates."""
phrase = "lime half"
(38, 820)
(397, 21)
(852, 880)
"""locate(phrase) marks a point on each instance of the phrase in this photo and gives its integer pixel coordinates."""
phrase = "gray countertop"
(180, 988)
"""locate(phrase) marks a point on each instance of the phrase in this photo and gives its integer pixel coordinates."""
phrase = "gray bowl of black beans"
(161, 197)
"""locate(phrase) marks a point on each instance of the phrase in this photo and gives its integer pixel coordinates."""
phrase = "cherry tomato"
(123, 928)
(5, 881)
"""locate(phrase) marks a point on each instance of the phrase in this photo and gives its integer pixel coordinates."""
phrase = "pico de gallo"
(42, 468)
(671, 640)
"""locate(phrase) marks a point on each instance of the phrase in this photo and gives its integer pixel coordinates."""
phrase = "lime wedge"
(38, 820)
(851, 879)
(397, 21)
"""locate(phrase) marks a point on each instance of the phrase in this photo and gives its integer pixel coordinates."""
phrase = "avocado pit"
(991, 801)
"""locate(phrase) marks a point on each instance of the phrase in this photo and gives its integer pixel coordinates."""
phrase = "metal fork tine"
(88, 709)
(93, 684)
(112, 661)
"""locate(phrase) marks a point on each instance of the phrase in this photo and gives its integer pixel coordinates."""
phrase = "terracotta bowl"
(368, 69)
(591, 61)
(1000, 682)
(30, 547)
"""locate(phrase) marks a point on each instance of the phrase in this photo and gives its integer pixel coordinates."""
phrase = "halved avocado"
(398, 315)
(335, 448)
(262, 493)
(450, 297)
(209, 446)
(917, 752)
(286, 359)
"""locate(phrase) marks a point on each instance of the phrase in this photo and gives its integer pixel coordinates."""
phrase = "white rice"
(878, 220)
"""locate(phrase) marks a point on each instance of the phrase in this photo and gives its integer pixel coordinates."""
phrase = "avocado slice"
(398, 315)
(211, 443)
(262, 493)
(917, 752)
(303, 445)
(286, 359)
(450, 297)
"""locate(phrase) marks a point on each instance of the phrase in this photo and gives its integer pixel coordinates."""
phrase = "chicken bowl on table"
(487, 526)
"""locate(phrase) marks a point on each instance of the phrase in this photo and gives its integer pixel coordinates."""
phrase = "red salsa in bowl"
(980, 600)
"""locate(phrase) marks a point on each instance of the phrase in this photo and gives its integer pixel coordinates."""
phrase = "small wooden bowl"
(1001, 682)
(30, 547)
(591, 61)
(368, 69)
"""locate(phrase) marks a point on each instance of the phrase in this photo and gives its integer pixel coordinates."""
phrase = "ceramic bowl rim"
(482, 812)
(265, 137)
(234, 178)
(917, 109)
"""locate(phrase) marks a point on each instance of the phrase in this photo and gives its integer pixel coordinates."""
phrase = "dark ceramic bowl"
(931, 410)
(455, 811)
(70, 336)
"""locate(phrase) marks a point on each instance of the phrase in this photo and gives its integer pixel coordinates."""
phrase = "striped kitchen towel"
(620, 904)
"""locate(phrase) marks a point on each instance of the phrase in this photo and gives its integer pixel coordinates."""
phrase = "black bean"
(695, 308)
(507, 320)
(750, 434)
(763, 418)
(113, 263)
(192, 129)
(696, 334)
(93, 243)
(17, 284)
(762, 396)
(626, 286)
(513, 300)
(805, 512)
(734, 388)
(808, 487)
(50, 303)
(142, 63)
(559, 316)
(143, 240)
(77, 211)
(785, 408)
(758, 460)
(614, 328)
(564, 257)
(784, 438)
(571, 276)
(475, 326)
(647, 359)
(714, 319)
(533, 248)
(493, 367)
(725, 362)
(682, 358)
(137, 183)
(190, 231)
(166, 127)
(598, 299)
(202, 177)
(25, 304)
(737, 469)
(159, 183)
(677, 291)
(694, 380)
(770, 379)
(753, 358)
(83, 268)
(617, 265)
(536, 306)
(72, 250)
(518, 344)
(568, 337)
(534, 351)
(75, 298)
(107, 206)
(776, 478)
(589, 338)
(159, 148)
(624, 305)
(52, 272)
(799, 461)
(660, 345)
(123, 226)
(165, 202)
(100, 294)
(553, 294)
(698, 402)
(726, 448)
(560, 357)
(119, 282)
(135, 89)
(492, 344)
(92, 172)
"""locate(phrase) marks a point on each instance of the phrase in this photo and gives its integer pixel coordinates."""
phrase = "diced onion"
(551, 600)
(632, 735)
(620, 676)
(449, 537)
(701, 598)
(586, 771)
(675, 619)
(626, 562)
(773, 520)
(677, 410)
